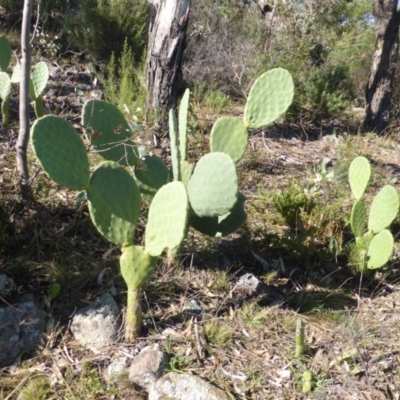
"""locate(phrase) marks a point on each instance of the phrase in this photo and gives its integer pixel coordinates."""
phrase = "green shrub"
(123, 83)
(326, 92)
(101, 26)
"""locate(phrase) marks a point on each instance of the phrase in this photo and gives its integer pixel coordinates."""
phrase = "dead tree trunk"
(166, 44)
(379, 88)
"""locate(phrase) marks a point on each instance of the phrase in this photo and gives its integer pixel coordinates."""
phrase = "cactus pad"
(359, 174)
(186, 171)
(358, 219)
(213, 186)
(114, 203)
(270, 96)
(384, 209)
(5, 86)
(183, 113)
(380, 249)
(38, 81)
(229, 135)
(5, 53)
(61, 152)
(150, 175)
(136, 266)
(167, 221)
(224, 225)
(109, 132)
(174, 137)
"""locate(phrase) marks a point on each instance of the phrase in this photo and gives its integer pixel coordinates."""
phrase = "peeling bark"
(23, 137)
(380, 85)
(167, 35)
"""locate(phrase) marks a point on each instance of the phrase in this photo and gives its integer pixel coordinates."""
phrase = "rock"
(250, 285)
(174, 386)
(21, 328)
(97, 324)
(118, 366)
(7, 286)
(147, 366)
(192, 308)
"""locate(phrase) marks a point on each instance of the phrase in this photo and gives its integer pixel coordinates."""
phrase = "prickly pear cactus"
(61, 152)
(222, 225)
(5, 93)
(384, 209)
(5, 53)
(380, 249)
(359, 174)
(374, 247)
(358, 219)
(213, 186)
(39, 79)
(150, 176)
(183, 114)
(174, 138)
(270, 96)
(114, 203)
(109, 133)
(167, 222)
(230, 136)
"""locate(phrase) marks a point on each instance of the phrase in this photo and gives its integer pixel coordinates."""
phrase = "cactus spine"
(374, 247)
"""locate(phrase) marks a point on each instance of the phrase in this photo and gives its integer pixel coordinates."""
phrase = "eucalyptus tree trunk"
(380, 85)
(167, 35)
(23, 137)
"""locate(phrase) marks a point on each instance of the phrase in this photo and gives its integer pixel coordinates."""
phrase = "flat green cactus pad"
(109, 132)
(229, 135)
(167, 222)
(5, 86)
(270, 96)
(183, 114)
(150, 175)
(224, 225)
(186, 171)
(38, 81)
(384, 209)
(358, 219)
(61, 152)
(380, 249)
(114, 203)
(136, 266)
(5, 53)
(174, 137)
(213, 186)
(359, 174)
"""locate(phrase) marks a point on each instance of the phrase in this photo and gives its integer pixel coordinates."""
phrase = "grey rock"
(174, 386)
(7, 286)
(118, 366)
(97, 324)
(147, 366)
(21, 328)
(250, 285)
(192, 308)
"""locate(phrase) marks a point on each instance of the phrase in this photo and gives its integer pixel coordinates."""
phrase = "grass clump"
(35, 389)
(218, 334)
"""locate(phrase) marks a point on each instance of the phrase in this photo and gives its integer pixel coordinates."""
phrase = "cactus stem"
(299, 338)
(133, 316)
(39, 109)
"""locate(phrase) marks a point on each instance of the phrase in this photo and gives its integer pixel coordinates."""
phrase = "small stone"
(147, 366)
(192, 308)
(118, 366)
(7, 286)
(174, 386)
(97, 324)
(21, 328)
